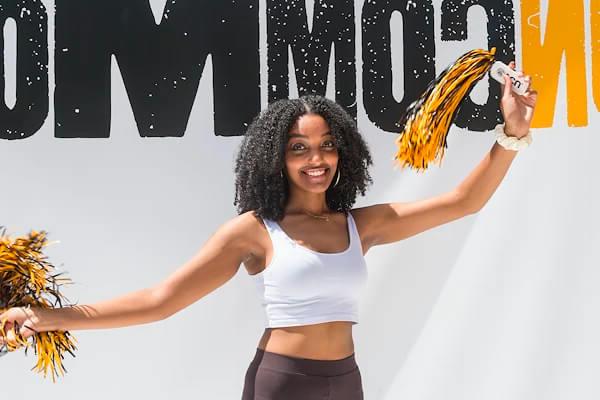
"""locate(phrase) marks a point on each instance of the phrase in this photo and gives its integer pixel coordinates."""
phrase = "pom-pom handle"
(499, 69)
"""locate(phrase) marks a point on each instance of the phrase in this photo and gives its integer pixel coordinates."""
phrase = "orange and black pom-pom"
(27, 279)
(427, 120)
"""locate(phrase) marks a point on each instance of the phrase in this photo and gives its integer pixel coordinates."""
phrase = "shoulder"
(247, 230)
(245, 225)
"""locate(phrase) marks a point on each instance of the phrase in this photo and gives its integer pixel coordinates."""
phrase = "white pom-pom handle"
(519, 84)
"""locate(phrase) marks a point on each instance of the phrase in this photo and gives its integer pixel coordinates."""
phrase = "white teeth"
(316, 172)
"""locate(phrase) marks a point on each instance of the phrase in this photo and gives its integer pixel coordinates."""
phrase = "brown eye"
(329, 143)
(297, 146)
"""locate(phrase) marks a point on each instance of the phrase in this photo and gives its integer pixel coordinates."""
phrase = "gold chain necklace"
(321, 217)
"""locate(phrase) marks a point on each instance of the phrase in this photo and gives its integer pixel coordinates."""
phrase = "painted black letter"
(31, 107)
(333, 22)
(419, 58)
(161, 64)
(501, 34)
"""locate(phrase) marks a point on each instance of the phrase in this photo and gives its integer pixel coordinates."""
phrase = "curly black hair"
(259, 184)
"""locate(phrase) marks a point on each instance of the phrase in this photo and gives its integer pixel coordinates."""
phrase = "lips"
(316, 175)
(316, 171)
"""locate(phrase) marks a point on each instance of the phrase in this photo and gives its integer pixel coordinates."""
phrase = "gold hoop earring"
(338, 178)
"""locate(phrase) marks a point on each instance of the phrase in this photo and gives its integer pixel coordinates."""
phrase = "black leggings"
(273, 376)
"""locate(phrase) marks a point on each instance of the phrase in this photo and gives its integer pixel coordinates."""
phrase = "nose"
(316, 154)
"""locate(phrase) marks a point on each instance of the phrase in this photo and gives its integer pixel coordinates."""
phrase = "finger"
(7, 326)
(531, 98)
(27, 331)
(512, 64)
(20, 338)
(507, 88)
(11, 338)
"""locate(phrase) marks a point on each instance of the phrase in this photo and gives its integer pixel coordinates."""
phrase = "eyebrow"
(301, 135)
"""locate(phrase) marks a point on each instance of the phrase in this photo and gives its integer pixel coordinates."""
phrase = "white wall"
(497, 305)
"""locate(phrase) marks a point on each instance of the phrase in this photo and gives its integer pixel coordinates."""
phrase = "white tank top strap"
(276, 234)
(352, 229)
(357, 241)
(268, 224)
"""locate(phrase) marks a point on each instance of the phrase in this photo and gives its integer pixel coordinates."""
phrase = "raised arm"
(387, 223)
(390, 222)
(214, 264)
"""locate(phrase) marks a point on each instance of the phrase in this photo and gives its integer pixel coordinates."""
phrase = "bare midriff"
(324, 341)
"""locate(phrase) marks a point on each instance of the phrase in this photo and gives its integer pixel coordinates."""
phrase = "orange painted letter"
(543, 53)
(595, 11)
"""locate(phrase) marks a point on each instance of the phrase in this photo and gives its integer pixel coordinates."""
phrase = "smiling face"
(311, 155)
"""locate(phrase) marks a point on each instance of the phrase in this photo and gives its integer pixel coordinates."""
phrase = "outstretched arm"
(214, 264)
(387, 223)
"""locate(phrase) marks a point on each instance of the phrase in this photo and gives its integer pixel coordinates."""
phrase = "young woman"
(299, 169)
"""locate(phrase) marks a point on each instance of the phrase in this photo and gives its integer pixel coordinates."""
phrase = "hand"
(517, 110)
(25, 318)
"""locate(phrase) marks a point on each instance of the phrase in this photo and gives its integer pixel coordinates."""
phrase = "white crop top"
(301, 286)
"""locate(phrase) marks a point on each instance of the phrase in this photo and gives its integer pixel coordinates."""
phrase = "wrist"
(515, 132)
(510, 142)
(47, 319)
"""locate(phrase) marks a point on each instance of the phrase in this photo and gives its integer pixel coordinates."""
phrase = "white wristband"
(511, 142)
